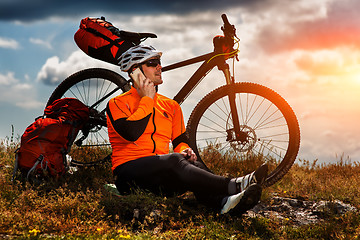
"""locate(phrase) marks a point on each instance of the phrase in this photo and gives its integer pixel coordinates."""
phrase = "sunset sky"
(308, 51)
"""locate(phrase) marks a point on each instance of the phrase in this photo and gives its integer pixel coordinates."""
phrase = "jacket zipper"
(152, 135)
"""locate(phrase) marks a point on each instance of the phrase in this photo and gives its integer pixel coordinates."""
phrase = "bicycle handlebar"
(228, 29)
(225, 19)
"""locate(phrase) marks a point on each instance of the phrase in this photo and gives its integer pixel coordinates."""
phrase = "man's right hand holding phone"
(143, 85)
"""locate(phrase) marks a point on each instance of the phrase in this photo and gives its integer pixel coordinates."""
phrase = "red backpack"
(45, 143)
(101, 40)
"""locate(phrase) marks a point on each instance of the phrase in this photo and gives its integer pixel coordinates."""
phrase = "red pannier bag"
(101, 40)
(45, 143)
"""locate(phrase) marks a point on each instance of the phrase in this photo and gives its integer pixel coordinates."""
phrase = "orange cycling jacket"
(140, 127)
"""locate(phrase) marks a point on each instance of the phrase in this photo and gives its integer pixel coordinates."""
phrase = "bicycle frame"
(196, 78)
(208, 64)
(209, 60)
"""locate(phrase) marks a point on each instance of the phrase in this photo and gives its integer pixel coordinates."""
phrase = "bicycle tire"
(89, 86)
(210, 122)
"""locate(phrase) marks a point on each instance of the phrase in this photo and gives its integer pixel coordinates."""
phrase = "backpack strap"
(71, 138)
(99, 34)
(72, 134)
(38, 160)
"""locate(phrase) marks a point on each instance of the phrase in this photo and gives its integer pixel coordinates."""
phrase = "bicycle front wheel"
(269, 131)
(94, 87)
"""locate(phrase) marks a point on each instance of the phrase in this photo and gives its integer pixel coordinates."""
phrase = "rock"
(299, 211)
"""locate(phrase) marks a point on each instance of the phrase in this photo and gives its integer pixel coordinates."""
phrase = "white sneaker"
(258, 176)
(243, 201)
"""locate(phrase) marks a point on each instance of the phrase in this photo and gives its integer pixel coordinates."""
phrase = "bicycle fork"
(234, 134)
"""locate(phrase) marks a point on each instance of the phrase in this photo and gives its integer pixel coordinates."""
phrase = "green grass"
(78, 207)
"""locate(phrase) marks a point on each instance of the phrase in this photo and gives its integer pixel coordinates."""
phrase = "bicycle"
(239, 118)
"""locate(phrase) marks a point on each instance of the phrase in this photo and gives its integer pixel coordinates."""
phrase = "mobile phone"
(137, 75)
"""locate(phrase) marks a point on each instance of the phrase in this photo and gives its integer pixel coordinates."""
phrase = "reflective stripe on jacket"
(140, 127)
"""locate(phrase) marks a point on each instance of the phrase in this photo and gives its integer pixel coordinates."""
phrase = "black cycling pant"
(169, 175)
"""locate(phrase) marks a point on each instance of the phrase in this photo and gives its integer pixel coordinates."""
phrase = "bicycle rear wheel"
(94, 87)
(269, 131)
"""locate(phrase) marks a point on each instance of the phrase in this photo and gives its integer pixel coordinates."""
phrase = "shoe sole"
(250, 199)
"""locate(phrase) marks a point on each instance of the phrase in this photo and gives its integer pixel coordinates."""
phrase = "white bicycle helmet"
(136, 55)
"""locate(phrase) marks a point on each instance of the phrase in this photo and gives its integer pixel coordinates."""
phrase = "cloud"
(335, 26)
(322, 63)
(8, 43)
(8, 79)
(54, 70)
(41, 42)
(13, 92)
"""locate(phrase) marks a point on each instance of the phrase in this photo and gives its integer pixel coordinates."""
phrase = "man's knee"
(174, 159)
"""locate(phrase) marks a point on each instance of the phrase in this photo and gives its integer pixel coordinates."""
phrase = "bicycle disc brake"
(243, 141)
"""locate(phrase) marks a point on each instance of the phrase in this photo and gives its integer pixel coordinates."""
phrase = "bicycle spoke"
(98, 90)
(225, 110)
(213, 123)
(208, 138)
(276, 135)
(226, 144)
(86, 101)
(271, 150)
(106, 91)
(215, 143)
(250, 117)
(226, 114)
(81, 98)
(215, 130)
(262, 116)
(263, 122)
(241, 110)
(284, 125)
(88, 92)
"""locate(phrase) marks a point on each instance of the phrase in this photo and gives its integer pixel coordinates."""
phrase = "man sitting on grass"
(141, 123)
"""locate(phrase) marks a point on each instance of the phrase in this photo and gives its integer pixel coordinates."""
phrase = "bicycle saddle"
(135, 35)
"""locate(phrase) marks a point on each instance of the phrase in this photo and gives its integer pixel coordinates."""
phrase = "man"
(141, 124)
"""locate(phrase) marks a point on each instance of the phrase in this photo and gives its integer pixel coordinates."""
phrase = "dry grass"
(78, 207)
(307, 180)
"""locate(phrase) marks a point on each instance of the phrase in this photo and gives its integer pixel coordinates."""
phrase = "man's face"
(152, 70)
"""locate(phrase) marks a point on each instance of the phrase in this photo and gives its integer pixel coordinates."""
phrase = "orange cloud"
(340, 27)
(321, 63)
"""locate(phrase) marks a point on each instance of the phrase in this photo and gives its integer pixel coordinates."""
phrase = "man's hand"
(189, 154)
(146, 88)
